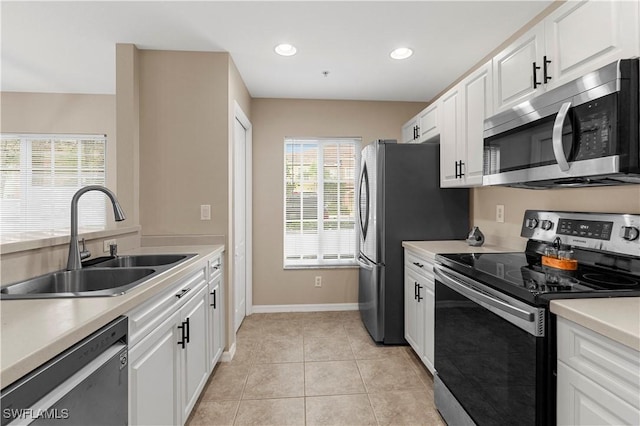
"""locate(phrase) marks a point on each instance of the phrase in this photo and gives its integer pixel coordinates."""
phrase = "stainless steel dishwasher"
(86, 384)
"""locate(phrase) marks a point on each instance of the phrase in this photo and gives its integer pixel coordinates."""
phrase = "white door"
(241, 217)
(239, 192)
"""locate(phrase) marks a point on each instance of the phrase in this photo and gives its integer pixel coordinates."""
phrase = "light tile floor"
(316, 368)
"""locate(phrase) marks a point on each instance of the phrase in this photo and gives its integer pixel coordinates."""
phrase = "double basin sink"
(110, 276)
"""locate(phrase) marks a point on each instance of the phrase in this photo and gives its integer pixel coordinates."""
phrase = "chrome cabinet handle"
(558, 124)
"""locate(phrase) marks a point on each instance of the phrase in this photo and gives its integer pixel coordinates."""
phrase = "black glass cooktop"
(523, 276)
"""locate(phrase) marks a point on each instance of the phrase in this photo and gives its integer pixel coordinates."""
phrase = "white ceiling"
(70, 46)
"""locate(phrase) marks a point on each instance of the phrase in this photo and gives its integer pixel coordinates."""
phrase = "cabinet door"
(582, 401)
(450, 134)
(154, 387)
(428, 122)
(194, 354)
(409, 131)
(429, 325)
(410, 307)
(476, 108)
(215, 322)
(581, 37)
(513, 70)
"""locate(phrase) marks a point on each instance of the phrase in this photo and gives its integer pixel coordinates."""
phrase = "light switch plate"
(500, 213)
(205, 212)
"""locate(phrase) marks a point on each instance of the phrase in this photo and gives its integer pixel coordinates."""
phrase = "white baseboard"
(227, 356)
(265, 309)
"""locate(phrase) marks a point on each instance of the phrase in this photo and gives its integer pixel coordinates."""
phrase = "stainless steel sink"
(138, 260)
(78, 283)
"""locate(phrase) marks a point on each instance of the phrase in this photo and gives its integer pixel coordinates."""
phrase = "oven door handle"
(558, 150)
(478, 295)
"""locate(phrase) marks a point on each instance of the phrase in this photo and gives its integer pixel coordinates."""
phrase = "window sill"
(33, 241)
(354, 266)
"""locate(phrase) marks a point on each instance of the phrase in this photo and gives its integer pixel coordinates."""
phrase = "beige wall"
(273, 119)
(615, 199)
(183, 142)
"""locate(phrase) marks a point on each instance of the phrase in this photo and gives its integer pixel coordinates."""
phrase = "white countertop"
(431, 248)
(617, 318)
(35, 330)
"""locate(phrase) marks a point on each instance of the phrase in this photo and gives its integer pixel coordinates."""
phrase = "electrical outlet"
(500, 213)
(205, 212)
(106, 244)
(318, 281)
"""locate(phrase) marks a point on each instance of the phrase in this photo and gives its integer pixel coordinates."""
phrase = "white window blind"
(39, 175)
(320, 201)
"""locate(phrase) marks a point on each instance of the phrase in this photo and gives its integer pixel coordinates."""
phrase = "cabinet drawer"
(612, 365)
(418, 264)
(215, 266)
(149, 315)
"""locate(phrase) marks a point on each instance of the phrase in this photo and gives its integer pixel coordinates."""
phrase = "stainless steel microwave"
(583, 133)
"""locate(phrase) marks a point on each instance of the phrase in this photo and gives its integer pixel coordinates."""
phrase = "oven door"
(491, 356)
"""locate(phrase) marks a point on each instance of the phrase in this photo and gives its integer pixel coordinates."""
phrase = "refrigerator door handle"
(362, 262)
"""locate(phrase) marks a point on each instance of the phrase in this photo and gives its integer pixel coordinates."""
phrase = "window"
(320, 202)
(39, 175)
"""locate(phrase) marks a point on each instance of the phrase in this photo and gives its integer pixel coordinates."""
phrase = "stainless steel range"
(495, 343)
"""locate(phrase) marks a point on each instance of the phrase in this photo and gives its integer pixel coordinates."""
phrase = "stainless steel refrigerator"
(400, 199)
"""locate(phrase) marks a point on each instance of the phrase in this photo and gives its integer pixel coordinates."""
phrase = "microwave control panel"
(594, 133)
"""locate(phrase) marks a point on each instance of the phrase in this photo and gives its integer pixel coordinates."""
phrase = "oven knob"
(629, 233)
(531, 223)
(546, 225)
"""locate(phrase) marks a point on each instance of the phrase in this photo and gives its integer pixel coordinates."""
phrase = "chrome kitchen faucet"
(74, 261)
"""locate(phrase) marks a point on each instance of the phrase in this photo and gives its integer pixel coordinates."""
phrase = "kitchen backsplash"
(611, 199)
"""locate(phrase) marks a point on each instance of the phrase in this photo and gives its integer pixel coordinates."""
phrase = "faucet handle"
(113, 249)
(84, 253)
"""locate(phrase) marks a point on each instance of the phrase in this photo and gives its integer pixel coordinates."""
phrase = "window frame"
(322, 233)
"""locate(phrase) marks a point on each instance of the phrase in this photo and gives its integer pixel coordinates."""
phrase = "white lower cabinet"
(175, 340)
(154, 385)
(419, 305)
(598, 379)
(216, 318)
(195, 367)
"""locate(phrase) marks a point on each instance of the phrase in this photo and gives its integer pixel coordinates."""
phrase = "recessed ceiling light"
(285, 49)
(401, 53)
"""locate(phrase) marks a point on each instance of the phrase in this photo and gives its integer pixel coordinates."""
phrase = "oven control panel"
(616, 233)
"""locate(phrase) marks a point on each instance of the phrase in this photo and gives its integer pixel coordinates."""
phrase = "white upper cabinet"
(513, 69)
(424, 126)
(464, 109)
(476, 107)
(410, 131)
(429, 122)
(583, 36)
(575, 39)
(450, 136)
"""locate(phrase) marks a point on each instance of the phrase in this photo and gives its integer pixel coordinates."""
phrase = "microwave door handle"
(558, 150)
